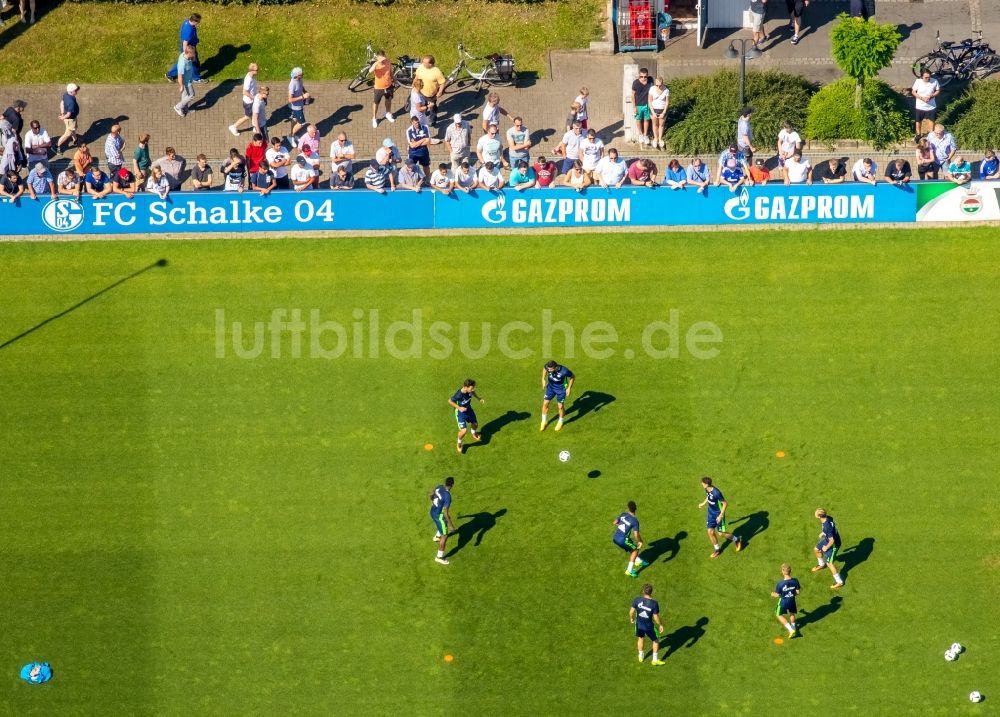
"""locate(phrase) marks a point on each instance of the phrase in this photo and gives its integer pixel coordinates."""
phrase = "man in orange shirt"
(382, 69)
(759, 173)
(433, 88)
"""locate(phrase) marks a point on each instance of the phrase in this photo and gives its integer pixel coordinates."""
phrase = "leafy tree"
(862, 49)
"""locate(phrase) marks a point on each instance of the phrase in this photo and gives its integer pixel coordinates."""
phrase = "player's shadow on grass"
(477, 525)
(587, 402)
(74, 307)
(685, 636)
(856, 554)
(496, 425)
(668, 547)
(814, 616)
(750, 526)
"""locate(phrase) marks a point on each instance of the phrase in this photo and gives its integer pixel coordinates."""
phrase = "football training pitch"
(216, 473)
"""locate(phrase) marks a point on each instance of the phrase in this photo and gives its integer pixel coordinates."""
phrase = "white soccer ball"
(950, 656)
(975, 697)
(564, 456)
(957, 648)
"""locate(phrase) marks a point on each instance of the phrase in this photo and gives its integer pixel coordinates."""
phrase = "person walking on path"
(189, 38)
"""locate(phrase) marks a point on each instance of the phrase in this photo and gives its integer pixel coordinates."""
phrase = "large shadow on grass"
(477, 525)
(223, 57)
(685, 636)
(855, 555)
(496, 425)
(813, 616)
(750, 526)
(74, 307)
(666, 548)
(587, 402)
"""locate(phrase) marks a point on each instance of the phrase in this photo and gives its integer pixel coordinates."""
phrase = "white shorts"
(757, 21)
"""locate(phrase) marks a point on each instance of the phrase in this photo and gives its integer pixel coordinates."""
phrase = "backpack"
(505, 66)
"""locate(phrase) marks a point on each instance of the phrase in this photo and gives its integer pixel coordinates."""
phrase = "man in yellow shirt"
(433, 88)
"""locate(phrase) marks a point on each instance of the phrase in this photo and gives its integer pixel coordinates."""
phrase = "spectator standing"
(518, 143)
(341, 178)
(256, 152)
(490, 178)
(759, 173)
(989, 168)
(832, 171)
(458, 140)
(201, 175)
(795, 10)
(37, 144)
(68, 183)
(492, 111)
(418, 103)
(12, 187)
(433, 85)
(865, 170)
(262, 180)
(488, 148)
(69, 110)
(943, 144)
(25, 4)
(378, 176)
(157, 182)
(185, 80)
(569, 147)
(522, 176)
(757, 10)
(674, 175)
(141, 163)
(312, 161)
(388, 154)
(465, 177)
(246, 99)
(576, 178)
(927, 166)
(898, 172)
(234, 172)
(545, 172)
(640, 103)
(611, 172)
(642, 173)
(123, 182)
(342, 154)
(591, 153)
(311, 139)
(797, 169)
(301, 175)
(733, 175)
(384, 87)
(15, 115)
(699, 175)
(583, 108)
(172, 166)
(114, 146)
(82, 161)
(297, 99)
(744, 137)
(574, 111)
(189, 38)
(732, 153)
(411, 178)
(418, 140)
(925, 91)
(41, 182)
(98, 184)
(959, 170)
(788, 141)
(659, 103)
(258, 112)
(279, 162)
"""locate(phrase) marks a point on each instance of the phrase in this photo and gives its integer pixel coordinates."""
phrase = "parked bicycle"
(972, 58)
(493, 70)
(364, 74)
(404, 71)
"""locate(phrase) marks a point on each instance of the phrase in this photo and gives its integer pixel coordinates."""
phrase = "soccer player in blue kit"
(715, 519)
(827, 547)
(441, 515)
(461, 401)
(645, 611)
(627, 538)
(786, 590)
(557, 381)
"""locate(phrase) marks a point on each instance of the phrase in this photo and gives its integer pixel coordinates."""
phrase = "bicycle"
(402, 71)
(497, 70)
(405, 71)
(968, 59)
(362, 78)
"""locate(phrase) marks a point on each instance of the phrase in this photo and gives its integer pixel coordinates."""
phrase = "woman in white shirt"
(659, 100)
(576, 177)
(418, 103)
(157, 182)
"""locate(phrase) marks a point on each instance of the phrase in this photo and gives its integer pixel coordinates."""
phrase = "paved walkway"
(543, 103)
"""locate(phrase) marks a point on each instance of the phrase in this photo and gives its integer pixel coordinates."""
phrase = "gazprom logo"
(493, 210)
(738, 208)
(62, 215)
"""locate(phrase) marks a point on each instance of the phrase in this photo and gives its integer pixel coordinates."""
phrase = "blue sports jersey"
(645, 608)
(715, 499)
(461, 398)
(440, 499)
(787, 589)
(626, 524)
(830, 531)
(559, 376)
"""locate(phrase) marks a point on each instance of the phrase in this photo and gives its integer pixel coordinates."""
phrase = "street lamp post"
(744, 54)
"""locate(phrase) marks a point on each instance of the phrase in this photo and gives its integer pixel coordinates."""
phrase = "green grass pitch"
(188, 531)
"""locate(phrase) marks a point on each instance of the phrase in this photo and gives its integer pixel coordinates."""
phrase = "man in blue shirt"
(441, 515)
(461, 401)
(786, 590)
(627, 537)
(558, 382)
(827, 547)
(989, 168)
(715, 519)
(36, 672)
(189, 38)
(732, 174)
(645, 615)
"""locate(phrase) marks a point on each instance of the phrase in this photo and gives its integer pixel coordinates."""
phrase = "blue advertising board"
(292, 212)
(201, 212)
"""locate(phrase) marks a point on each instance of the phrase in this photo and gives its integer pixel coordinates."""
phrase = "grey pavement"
(543, 103)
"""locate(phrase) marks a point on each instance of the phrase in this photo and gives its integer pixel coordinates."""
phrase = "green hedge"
(974, 118)
(882, 120)
(704, 109)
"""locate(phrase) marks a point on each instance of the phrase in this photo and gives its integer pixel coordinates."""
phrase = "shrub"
(974, 118)
(704, 109)
(882, 120)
